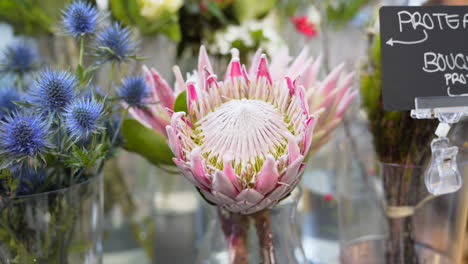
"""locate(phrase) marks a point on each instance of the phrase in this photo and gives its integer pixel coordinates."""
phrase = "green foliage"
(398, 138)
(344, 11)
(31, 17)
(129, 13)
(180, 104)
(247, 9)
(146, 142)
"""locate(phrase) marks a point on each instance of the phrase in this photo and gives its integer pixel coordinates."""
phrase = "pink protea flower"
(330, 97)
(244, 139)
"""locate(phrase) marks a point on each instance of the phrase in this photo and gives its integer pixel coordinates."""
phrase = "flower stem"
(117, 131)
(265, 236)
(235, 228)
(82, 41)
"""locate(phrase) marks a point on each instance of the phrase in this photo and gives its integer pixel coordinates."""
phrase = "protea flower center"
(246, 130)
(243, 141)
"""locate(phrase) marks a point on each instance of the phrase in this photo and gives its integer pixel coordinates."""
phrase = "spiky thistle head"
(19, 57)
(8, 96)
(134, 91)
(115, 43)
(83, 118)
(244, 139)
(24, 135)
(80, 18)
(30, 180)
(53, 90)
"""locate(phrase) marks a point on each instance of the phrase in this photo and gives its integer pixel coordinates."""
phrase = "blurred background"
(152, 215)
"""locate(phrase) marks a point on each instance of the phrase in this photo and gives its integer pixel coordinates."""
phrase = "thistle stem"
(82, 42)
(19, 82)
(117, 131)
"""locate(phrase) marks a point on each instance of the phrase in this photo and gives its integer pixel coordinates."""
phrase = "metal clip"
(442, 175)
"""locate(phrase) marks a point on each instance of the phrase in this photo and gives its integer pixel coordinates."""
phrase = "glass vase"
(387, 215)
(268, 236)
(145, 207)
(57, 227)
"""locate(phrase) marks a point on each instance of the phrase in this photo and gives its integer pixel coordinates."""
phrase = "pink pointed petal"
(255, 61)
(291, 86)
(331, 80)
(279, 64)
(299, 63)
(262, 71)
(309, 78)
(198, 168)
(163, 90)
(309, 129)
(304, 103)
(137, 114)
(268, 176)
(204, 60)
(249, 195)
(328, 101)
(211, 82)
(192, 96)
(179, 79)
(244, 73)
(345, 86)
(231, 174)
(344, 104)
(293, 148)
(174, 142)
(222, 184)
(292, 171)
(235, 69)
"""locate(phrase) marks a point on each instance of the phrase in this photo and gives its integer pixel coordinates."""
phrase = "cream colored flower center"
(246, 130)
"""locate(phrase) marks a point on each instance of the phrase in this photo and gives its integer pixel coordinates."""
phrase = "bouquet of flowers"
(56, 131)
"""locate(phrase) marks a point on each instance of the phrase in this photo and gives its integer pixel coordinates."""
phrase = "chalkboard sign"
(424, 53)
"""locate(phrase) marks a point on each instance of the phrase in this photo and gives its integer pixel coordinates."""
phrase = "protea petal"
(231, 174)
(204, 60)
(198, 168)
(268, 176)
(331, 80)
(223, 185)
(262, 71)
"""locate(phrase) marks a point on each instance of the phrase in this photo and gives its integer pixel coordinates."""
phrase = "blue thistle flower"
(31, 180)
(82, 118)
(80, 18)
(8, 95)
(53, 90)
(23, 135)
(134, 91)
(19, 58)
(115, 43)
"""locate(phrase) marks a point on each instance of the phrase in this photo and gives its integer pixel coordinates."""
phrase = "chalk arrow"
(391, 41)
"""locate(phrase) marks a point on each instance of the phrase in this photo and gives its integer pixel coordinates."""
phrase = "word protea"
(243, 140)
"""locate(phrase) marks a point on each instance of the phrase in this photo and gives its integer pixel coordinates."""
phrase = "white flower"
(153, 9)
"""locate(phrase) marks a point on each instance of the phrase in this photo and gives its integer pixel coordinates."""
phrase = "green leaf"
(214, 9)
(172, 31)
(247, 9)
(180, 104)
(146, 142)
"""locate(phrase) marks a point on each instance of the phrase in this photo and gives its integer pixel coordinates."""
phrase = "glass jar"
(62, 226)
(268, 236)
(387, 215)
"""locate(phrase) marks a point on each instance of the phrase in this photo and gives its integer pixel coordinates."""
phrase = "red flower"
(304, 26)
(328, 197)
